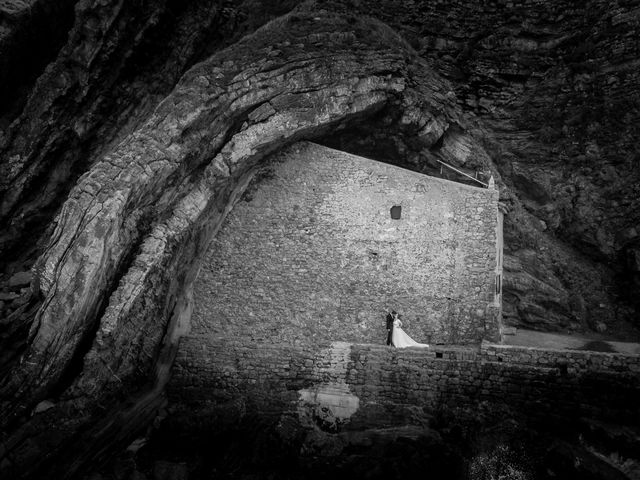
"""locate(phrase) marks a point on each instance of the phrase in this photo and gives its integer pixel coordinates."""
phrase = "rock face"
(113, 286)
(129, 141)
(545, 80)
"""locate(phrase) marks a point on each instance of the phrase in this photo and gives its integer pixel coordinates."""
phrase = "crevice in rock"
(40, 29)
(76, 364)
(438, 144)
(545, 274)
(14, 331)
(30, 218)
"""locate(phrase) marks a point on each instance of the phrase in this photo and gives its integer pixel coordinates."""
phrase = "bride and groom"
(396, 336)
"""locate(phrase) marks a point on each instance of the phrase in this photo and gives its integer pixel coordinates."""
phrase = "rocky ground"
(443, 447)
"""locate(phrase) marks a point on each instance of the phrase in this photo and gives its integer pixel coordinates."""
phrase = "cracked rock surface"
(131, 138)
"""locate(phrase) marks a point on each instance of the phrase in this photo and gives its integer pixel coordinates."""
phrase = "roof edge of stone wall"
(430, 178)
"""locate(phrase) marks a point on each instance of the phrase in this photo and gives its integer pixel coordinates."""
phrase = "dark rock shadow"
(597, 346)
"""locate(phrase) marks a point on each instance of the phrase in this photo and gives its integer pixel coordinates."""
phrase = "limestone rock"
(43, 406)
(20, 279)
(633, 259)
(570, 460)
(127, 242)
(170, 471)
(136, 124)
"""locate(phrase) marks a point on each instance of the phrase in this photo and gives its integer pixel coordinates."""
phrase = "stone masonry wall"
(312, 255)
(296, 284)
(366, 385)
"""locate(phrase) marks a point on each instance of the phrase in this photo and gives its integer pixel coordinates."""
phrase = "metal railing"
(463, 173)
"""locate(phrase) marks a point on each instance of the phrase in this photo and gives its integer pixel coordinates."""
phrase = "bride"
(399, 337)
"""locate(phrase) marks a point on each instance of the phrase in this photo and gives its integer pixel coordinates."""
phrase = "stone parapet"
(277, 379)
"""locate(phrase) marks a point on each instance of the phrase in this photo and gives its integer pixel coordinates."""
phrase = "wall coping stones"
(450, 183)
(575, 360)
(350, 379)
(516, 348)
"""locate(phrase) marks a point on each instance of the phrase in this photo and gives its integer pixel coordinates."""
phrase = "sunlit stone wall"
(312, 254)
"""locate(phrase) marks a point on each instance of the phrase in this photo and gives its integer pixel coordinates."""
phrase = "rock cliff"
(129, 129)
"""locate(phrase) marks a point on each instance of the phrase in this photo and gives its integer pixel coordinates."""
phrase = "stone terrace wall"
(312, 255)
(367, 385)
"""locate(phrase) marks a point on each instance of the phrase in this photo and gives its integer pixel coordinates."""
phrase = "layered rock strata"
(113, 286)
(139, 169)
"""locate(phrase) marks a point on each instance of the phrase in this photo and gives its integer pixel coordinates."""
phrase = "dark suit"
(389, 328)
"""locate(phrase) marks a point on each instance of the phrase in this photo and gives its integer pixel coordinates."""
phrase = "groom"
(390, 319)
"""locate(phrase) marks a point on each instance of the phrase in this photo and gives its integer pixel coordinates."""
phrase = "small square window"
(396, 212)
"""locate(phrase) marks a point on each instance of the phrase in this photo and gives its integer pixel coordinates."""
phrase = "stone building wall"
(373, 385)
(311, 255)
(289, 316)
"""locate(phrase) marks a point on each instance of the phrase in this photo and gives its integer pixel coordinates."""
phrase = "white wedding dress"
(400, 339)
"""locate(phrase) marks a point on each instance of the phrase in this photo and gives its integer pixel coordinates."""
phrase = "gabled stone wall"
(311, 254)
